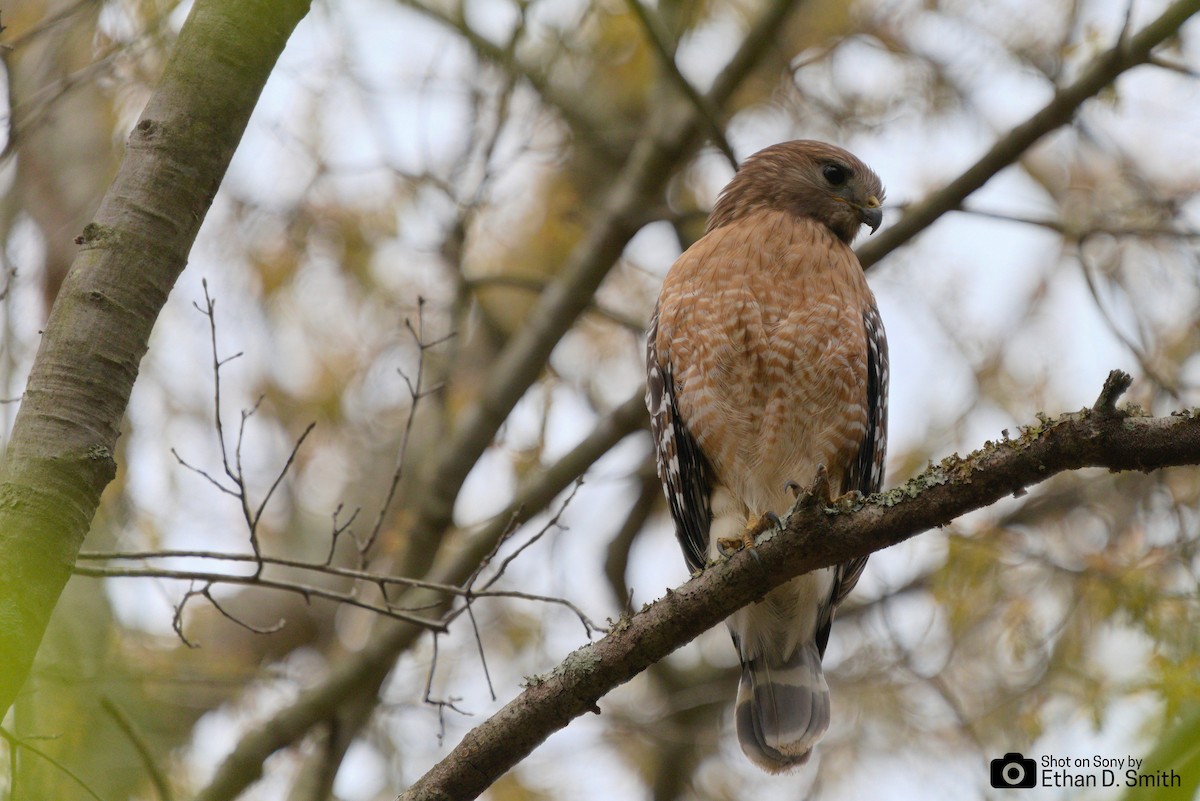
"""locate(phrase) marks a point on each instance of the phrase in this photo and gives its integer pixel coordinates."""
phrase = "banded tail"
(782, 708)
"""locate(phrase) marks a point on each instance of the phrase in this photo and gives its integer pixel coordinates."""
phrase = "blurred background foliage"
(416, 175)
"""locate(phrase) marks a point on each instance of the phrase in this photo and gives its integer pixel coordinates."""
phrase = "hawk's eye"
(835, 174)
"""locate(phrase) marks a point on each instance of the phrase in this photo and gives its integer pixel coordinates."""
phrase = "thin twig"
(277, 626)
(233, 468)
(257, 580)
(338, 530)
(1127, 52)
(209, 311)
(204, 474)
(479, 645)
(551, 523)
(15, 742)
(441, 704)
(582, 119)
(177, 617)
(514, 521)
(659, 41)
(1114, 387)
(157, 777)
(1174, 66)
(589, 626)
(1136, 231)
(1144, 361)
(416, 392)
(258, 513)
(380, 580)
(243, 496)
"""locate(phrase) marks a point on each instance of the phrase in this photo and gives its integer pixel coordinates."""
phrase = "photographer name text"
(1081, 772)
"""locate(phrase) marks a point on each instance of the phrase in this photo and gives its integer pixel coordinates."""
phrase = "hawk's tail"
(782, 708)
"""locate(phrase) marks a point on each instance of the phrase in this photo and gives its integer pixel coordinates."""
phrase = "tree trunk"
(60, 456)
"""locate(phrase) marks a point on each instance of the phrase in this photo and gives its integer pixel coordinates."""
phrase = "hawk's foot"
(818, 492)
(754, 526)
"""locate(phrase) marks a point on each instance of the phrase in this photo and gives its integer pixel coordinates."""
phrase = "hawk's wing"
(866, 472)
(685, 472)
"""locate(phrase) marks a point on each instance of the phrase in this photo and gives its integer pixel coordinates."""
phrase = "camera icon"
(1013, 770)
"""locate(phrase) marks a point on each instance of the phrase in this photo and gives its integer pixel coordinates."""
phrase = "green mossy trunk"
(59, 459)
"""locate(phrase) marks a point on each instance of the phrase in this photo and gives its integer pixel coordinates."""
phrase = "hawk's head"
(806, 178)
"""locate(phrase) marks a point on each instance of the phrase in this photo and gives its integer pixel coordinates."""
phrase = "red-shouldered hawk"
(766, 359)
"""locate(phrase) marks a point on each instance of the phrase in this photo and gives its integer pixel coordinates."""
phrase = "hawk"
(767, 362)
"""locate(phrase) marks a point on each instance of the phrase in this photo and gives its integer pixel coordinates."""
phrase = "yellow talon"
(754, 526)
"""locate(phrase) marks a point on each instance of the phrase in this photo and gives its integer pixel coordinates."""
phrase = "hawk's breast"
(762, 321)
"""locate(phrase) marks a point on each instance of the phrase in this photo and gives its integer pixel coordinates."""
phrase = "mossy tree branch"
(816, 536)
(60, 456)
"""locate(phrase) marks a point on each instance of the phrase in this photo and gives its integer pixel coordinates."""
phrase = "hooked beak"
(871, 213)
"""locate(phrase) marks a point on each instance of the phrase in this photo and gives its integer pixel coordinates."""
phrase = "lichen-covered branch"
(60, 456)
(816, 536)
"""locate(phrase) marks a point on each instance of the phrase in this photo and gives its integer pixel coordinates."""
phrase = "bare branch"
(15, 742)
(177, 618)
(205, 475)
(233, 469)
(276, 626)
(542, 491)
(416, 392)
(258, 580)
(589, 626)
(209, 311)
(816, 536)
(1174, 66)
(364, 672)
(666, 138)
(397, 610)
(487, 674)
(258, 513)
(338, 530)
(551, 523)
(659, 40)
(1139, 231)
(583, 121)
(251, 519)
(1128, 52)
(157, 777)
(444, 703)
(535, 284)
